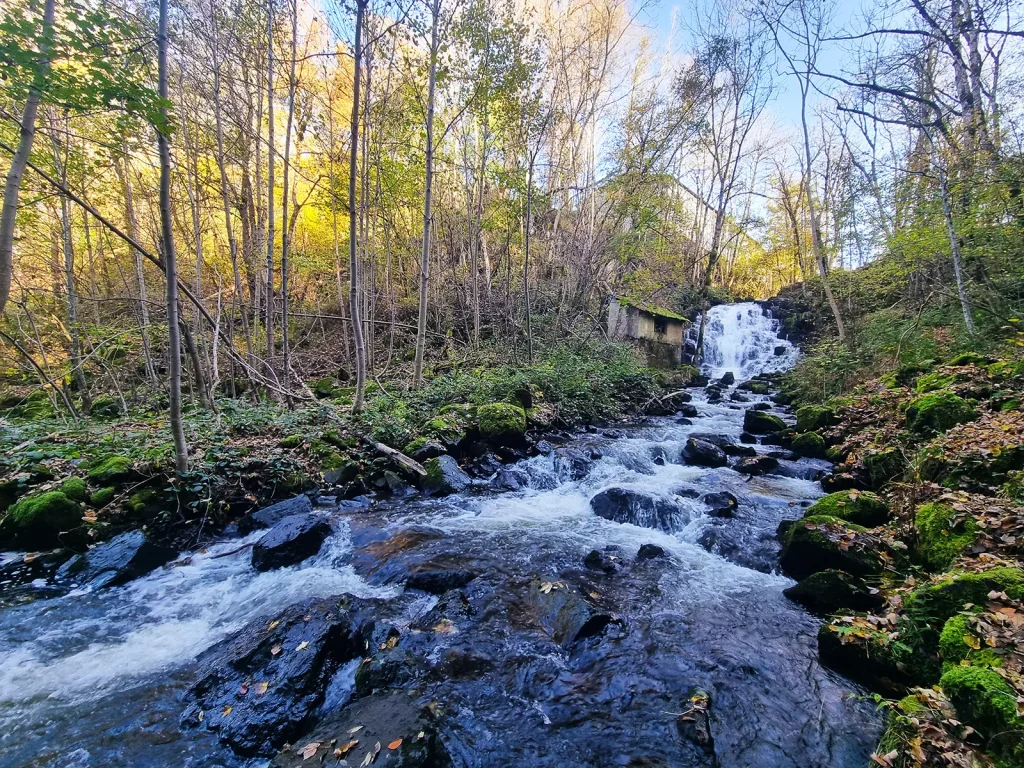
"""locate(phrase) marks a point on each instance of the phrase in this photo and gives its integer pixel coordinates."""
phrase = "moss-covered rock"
(291, 441)
(958, 643)
(809, 444)
(762, 422)
(937, 412)
(325, 387)
(931, 605)
(822, 542)
(900, 731)
(860, 507)
(113, 470)
(501, 422)
(144, 502)
(829, 591)
(942, 535)
(868, 655)
(36, 521)
(970, 358)
(934, 381)
(102, 497)
(105, 407)
(812, 418)
(756, 387)
(985, 701)
(883, 466)
(74, 488)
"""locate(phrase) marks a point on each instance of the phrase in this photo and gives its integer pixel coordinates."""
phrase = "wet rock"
(266, 517)
(684, 421)
(572, 463)
(627, 506)
(445, 477)
(431, 449)
(294, 654)
(385, 719)
(780, 351)
(699, 381)
(759, 465)
(671, 403)
(116, 562)
(390, 667)
(614, 434)
(736, 397)
(761, 407)
(820, 543)
(650, 552)
(722, 504)
(439, 582)
(688, 411)
(464, 663)
(704, 454)
(842, 481)
(728, 379)
(761, 423)
(544, 448)
(601, 561)
(829, 591)
(290, 541)
(564, 614)
(510, 479)
(746, 437)
(694, 722)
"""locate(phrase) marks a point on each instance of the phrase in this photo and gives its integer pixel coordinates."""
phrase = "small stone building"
(658, 331)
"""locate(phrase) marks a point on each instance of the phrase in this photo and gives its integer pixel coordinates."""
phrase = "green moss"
(414, 445)
(141, 502)
(499, 421)
(756, 387)
(823, 542)
(883, 466)
(74, 488)
(102, 497)
(809, 444)
(35, 521)
(105, 406)
(955, 648)
(937, 412)
(332, 460)
(325, 388)
(933, 381)
(940, 541)
(829, 591)
(1012, 404)
(931, 605)
(985, 701)
(860, 507)
(292, 441)
(112, 470)
(812, 418)
(900, 730)
(762, 422)
(970, 358)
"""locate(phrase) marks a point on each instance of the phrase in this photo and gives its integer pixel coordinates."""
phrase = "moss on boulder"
(822, 542)
(812, 418)
(809, 444)
(984, 700)
(762, 422)
(938, 412)
(931, 605)
(74, 488)
(943, 535)
(501, 422)
(859, 507)
(36, 521)
(900, 730)
(755, 387)
(868, 655)
(883, 466)
(113, 470)
(970, 358)
(933, 381)
(829, 591)
(102, 497)
(291, 441)
(959, 644)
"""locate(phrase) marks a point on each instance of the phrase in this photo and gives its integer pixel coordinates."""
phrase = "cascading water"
(97, 679)
(744, 338)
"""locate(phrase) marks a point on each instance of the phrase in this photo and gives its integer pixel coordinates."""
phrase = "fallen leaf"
(395, 744)
(273, 624)
(309, 750)
(357, 729)
(546, 587)
(261, 688)
(243, 689)
(226, 711)
(368, 759)
(302, 646)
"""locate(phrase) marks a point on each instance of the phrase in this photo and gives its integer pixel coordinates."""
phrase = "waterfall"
(744, 338)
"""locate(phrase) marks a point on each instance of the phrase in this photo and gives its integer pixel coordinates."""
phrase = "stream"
(99, 678)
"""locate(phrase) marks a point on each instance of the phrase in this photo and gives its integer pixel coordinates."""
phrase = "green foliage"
(933, 604)
(937, 412)
(943, 535)
(860, 507)
(102, 497)
(958, 643)
(883, 466)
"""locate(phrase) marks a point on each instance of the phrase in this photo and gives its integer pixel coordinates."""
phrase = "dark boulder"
(115, 562)
(736, 397)
(758, 465)
(722, 504)
(699, 380)
(510, 479)
(544, 448)
(266, 517)
(760, 423)
(626, 506)
(761, 407)
(260, 688)
(703, 454)
(650, 552)
(431, 449)
(841, 481)
(747, 438)
(439, 582)
(290, 541)
(728, 379)
(827, 592)
(571, 463)
(565, 615)
(780, 351)
(601, 561)
(445, 477)
(379, 721)
(688, 411)
(821, 543)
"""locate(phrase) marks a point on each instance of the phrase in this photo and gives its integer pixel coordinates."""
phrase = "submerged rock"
(290, 541)
(571, 463)
(116, 562)
(563, 614)
(268, 516)
(627, 506)
(829, 591)
(650, 552)
(722, 504)
(439, 582)
(401, 728)
(259, 689)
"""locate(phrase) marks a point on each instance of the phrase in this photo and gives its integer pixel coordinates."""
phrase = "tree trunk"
(353, 256)
(9, 212)
(421, 325)
(286, 230)
(268, 321)
(170, 262)
(954, 246)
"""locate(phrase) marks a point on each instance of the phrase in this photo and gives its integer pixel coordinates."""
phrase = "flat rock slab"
(258, 689)
(268, 516)
(439, 582)
(116, 562)
(394, 728)
(290, 541)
